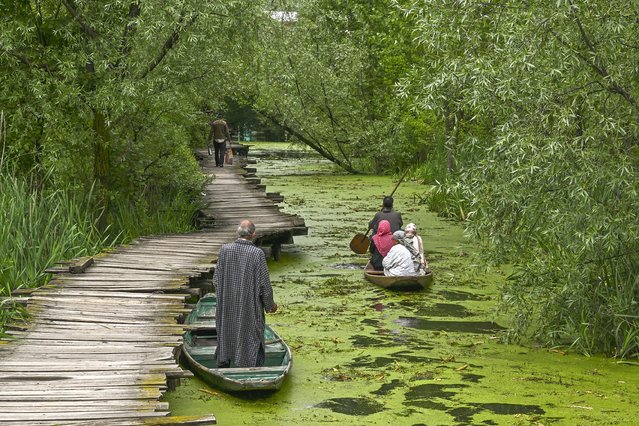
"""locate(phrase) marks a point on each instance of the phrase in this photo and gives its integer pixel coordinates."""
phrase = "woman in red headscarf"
(381, 244)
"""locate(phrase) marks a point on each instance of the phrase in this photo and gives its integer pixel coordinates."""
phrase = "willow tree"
(102, 94)
(552, 186)
(326, 72)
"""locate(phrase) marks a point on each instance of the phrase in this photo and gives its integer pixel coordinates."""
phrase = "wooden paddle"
(361, 242)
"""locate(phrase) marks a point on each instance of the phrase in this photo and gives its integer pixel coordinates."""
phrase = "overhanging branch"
(88, 30)
(169, 43)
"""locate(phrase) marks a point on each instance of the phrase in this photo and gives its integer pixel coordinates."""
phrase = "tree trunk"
(101, 167)
(449, 134)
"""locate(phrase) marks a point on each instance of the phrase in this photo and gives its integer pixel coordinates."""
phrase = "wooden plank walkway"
(99, 346)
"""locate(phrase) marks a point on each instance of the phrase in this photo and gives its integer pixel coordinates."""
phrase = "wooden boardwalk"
(99, 346)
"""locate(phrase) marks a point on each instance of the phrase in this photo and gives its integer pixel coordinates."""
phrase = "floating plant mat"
(366, 356)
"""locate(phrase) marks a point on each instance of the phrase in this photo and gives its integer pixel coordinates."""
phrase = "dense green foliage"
(103, 107)
(105, 99)
(40, 228)
(524, 114)
(328, 77)
(545, 96)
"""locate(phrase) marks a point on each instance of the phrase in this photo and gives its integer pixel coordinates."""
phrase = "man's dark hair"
(388, 202)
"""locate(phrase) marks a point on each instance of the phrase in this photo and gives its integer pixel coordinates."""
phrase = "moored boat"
(200, 342)
(410, 282)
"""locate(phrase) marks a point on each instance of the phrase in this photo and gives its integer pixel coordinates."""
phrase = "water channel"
(366, 356)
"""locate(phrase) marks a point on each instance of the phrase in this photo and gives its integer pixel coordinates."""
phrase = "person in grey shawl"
(244, 292)
(398, 261)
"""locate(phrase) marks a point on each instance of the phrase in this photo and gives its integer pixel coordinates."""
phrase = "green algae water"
(366, 356)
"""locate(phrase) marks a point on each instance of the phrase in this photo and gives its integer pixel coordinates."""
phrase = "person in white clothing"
(411, 237)
(398, 261)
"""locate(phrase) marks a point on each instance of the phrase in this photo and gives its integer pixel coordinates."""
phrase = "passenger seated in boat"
(414, 244)
(381, 244)
(398, 262)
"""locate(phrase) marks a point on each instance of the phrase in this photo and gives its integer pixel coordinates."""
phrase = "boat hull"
(413, 282)
(200, 343)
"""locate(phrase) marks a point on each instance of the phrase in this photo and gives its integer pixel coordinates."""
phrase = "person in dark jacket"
(387, 213)
(219, 135)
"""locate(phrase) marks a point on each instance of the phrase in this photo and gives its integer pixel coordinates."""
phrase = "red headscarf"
(383, 239)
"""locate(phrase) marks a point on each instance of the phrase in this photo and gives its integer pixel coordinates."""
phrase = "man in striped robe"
(244, 292)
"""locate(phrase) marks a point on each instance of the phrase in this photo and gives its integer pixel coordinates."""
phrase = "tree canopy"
(522, 114)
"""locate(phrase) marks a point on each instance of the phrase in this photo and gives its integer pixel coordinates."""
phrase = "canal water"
(367, 356)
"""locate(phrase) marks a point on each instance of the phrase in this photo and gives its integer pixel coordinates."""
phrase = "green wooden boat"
(199, 345)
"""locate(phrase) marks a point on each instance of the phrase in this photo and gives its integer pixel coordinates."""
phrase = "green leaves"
(551, 170)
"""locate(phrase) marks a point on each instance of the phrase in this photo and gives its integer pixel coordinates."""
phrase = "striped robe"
(243, 291)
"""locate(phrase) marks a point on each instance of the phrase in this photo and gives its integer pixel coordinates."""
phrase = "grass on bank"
(39, 227)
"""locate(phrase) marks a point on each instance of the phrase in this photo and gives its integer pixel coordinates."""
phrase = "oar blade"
(359, 243)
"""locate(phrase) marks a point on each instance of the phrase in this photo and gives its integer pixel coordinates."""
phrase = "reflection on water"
(445, 310)
(352, 406)
(465, 415)
(477, 327)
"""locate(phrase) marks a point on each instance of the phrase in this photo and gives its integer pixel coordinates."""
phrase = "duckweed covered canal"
(363, 355)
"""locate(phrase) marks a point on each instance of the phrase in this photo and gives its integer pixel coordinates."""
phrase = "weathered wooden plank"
(29, 349)
(87, 300)
(106, 405)
(96, 335)
(118, 382)
(183, 421)
(86, 415)
(97, 319)
(56, 364)
(62, 354)
(106, 332)
(69, 357)
(80, 377)
(118, 277)
(110, 270)
(155, 421)
(168, 252)
(78, 266)
(121, 337)
(141, 391)
(52, 325)
(48, 376)
(141, 310)
(107, 295)
(135, 266)
(94, 303)
(96, 367)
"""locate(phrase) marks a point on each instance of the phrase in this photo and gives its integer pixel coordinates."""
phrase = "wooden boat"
(199, 345)
(412, 282)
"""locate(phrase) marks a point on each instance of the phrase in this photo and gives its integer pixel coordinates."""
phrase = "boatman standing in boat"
(387, 213)
(244, 293)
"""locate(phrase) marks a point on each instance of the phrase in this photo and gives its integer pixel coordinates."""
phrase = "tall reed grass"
(38, 228)
(158, 212)
(40, 225)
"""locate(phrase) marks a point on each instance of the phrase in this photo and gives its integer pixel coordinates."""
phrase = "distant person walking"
(387, 213)
(219, 135)
(244, 292)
